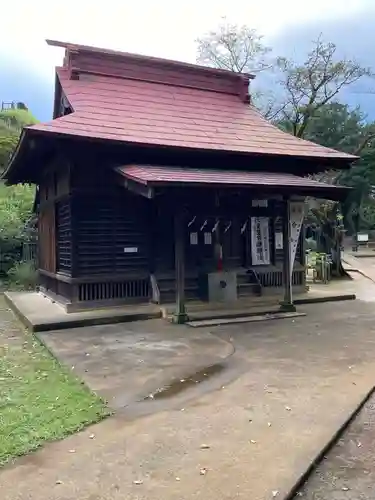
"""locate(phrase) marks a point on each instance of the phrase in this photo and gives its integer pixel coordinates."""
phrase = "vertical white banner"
(260, 241)
(297, 211)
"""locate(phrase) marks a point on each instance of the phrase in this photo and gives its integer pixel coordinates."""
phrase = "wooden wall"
(110, 233)
(54, 219)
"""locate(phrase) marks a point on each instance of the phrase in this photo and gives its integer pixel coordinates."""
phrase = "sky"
(162, 28)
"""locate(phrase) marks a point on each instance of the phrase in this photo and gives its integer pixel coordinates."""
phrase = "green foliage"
(22, 276)
(11, 123)
(309, 86)
(16, 202)
(40, 401)
(337, 126)
(17, 118)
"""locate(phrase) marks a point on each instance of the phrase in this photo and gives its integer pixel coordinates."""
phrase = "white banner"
(297, 210)
(260, 241)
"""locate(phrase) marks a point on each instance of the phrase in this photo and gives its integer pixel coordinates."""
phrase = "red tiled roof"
(141, 100)
(156, 176)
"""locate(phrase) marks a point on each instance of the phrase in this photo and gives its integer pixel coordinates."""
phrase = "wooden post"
(180, 315)
(287, 304)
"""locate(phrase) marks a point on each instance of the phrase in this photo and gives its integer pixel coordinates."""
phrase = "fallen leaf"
(138, 482)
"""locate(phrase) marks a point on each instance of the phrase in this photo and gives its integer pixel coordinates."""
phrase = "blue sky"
(169, 29)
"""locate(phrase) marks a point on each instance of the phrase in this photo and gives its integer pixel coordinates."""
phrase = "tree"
(235, 48)
(336, 125)
(16, 202)
(11, 123)
(302, 89)
(309, 86)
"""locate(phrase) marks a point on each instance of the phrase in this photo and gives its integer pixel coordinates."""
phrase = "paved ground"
(292, 384)
(348, 470)
(126, 362)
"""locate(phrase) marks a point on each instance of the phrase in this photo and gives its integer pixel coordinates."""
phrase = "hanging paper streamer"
(260, 242)
(296, 219)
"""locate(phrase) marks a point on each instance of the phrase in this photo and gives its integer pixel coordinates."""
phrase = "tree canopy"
(305, 101)
(11, 123)
(16, 202)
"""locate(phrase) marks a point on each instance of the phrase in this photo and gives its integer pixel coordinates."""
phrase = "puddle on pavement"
(179, 385)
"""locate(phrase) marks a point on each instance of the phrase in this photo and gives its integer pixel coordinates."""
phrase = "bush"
(311, 244)
(23, 276)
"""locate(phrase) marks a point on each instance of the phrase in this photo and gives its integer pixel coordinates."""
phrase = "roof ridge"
(142, 57)
(85, 61)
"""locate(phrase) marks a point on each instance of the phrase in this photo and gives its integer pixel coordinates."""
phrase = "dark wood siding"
(110, 233)
(64, 235)
(47, 238)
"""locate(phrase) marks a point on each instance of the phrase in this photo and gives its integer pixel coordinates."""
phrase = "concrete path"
(124, 363)
(298, 382)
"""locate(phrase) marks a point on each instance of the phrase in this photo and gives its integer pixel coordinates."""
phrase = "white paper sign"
(130, 249)
(362, 237)
(193, 238)
(296, 219)
(259, 203)
(207, 238)
(260, 243)
(279, 241)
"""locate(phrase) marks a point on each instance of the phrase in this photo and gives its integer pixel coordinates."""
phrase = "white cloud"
(155, 27)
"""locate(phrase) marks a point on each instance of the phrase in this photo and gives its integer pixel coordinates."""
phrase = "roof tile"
(154, 175)
(133, 110)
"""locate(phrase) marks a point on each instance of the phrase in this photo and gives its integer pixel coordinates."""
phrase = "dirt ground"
(348, 470)
(251, 437)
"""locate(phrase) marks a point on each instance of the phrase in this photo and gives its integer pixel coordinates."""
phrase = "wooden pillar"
(180, 315)
(287, 303)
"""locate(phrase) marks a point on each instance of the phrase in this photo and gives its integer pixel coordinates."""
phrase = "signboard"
(362, 238)
(279, 241)
(260, 241)
(296, 218)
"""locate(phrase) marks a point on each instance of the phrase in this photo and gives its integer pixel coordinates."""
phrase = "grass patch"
(39, 399)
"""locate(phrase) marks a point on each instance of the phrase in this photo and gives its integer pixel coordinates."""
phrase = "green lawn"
(39, 400)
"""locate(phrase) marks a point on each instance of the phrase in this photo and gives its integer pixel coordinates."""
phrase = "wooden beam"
(180, 315)
(287, 303)
(136, 187)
